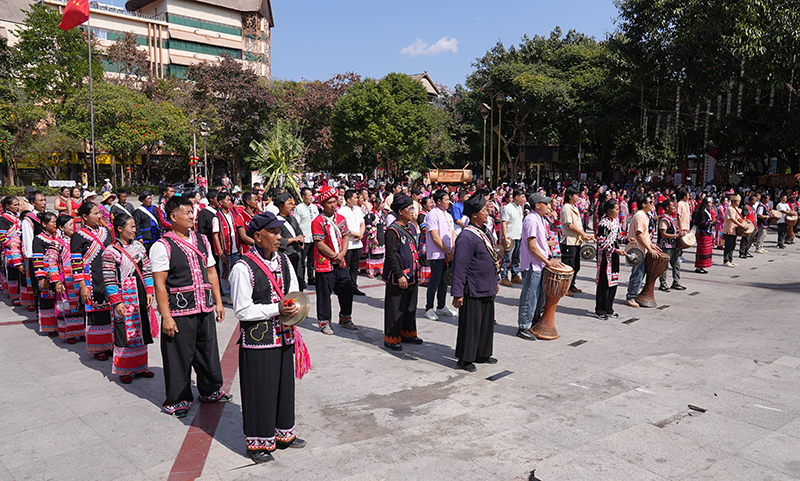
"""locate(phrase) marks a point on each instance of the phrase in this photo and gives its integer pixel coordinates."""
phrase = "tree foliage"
(385, 122)
(279, 157)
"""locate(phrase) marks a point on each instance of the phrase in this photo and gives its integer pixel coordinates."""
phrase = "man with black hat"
(476, 268)
(145, 216)
(259, 281)
(401, 274)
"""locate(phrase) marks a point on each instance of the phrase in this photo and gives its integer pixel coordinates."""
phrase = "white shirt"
(242, 292)
(159, 260)
(355, 219)
(271, 208)
(27, 237)
(231, 229)
(305, 214)
(781, 207)
(512, 215)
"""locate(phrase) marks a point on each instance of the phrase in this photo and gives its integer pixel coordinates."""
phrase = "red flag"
(75, 13)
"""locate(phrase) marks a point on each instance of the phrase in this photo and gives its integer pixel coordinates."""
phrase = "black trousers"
(746, 242)
(307, 261)
(193, 347)
(400, 313)
(782, 230)
(475, 328)
(604, 298)
(266, 379)
(570, 255)
(34, 283)
(336, 282)
(730, 246)
(352, 258)
(437, 289)
(294, 259)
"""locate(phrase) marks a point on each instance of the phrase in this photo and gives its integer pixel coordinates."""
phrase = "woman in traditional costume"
(128, 284)
(704, 220)
(9, 228)
(58, 264)
(607, 234)
(48, 322)
(87, 246)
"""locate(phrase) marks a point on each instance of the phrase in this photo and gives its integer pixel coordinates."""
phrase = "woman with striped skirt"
(58, 264)
(704, 219)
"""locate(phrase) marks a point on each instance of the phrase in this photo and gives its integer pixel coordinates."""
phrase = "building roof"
(427, 82)
(264, 7)
(12, 10)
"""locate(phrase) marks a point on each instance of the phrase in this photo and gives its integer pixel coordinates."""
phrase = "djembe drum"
(653, 267)
(686, 241)
(556, 281)
(746, 229)
(791, 221)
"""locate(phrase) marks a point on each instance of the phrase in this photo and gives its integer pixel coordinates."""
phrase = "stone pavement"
(615, 407)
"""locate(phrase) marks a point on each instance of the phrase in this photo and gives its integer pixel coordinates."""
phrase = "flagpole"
(91, 103)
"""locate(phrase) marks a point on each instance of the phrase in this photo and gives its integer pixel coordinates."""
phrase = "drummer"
(536, 255)
(266, 350)
(784, 209)
(668, 234)
(733, 219)
(749, 213)
(639, 237)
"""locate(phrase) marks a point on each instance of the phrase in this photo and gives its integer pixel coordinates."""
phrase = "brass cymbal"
(303, 304)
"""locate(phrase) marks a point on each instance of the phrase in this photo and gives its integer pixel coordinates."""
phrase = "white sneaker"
(446, 311)
(728, 264)
(761, 251)
(431, 314)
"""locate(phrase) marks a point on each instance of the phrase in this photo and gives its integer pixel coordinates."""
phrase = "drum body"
(791, 222)
(686, 241)
(654, 267)
(556, 283)
(774, 216)
(748, 228)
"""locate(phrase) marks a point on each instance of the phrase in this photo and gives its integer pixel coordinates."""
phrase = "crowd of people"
(99, 271)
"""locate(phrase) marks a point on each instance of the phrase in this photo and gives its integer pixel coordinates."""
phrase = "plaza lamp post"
(484, 110)
(500, 99)
(580, 146)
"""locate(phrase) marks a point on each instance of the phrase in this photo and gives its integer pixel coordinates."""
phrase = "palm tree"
(279, 157)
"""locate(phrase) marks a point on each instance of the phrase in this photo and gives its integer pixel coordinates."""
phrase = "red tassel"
(302, 361)
(153, 323)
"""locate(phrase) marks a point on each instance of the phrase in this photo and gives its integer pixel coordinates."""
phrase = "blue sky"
(317, 39)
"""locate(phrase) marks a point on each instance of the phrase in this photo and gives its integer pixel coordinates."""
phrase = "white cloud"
(421, 47)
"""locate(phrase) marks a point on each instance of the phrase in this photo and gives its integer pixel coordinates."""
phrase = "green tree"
(50, 151)
(237, 101)
(386, 122)
(131, 63)
(54, 64)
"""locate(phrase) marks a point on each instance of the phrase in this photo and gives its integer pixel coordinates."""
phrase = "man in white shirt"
(572, 227)
(784, 209)
(511, 225)
(305, 213)
(355, 223)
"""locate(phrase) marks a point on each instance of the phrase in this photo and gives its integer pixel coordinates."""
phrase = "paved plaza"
(613, 407)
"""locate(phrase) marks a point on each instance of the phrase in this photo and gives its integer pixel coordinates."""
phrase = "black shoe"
(742, 256)
(359, 293)
(663, 288)
(701, 271)
(310, 282)
(613, 314)
(749, 255)
(296, 443)
(678, 287)
(486, 360)
(412, 340)
(526, 334)
(393, 347)
(467, 366)
(259, 457)
(782, 247)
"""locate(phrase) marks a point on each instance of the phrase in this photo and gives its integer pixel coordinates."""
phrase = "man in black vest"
(187, 292)
(259, 280)
(401, 274)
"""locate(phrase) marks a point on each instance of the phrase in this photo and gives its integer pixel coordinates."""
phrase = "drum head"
(634, 256)
(303, 303)
(588, 252)
(561, 270)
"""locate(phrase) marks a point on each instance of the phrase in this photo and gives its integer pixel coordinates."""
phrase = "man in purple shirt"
(534, 257)
(439, 244)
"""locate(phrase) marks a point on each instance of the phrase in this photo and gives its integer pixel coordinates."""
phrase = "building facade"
(175, 33)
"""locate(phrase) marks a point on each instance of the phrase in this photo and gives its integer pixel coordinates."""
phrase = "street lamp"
(484, 110)
(580, 146)
(204, 133)
(501, 100)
